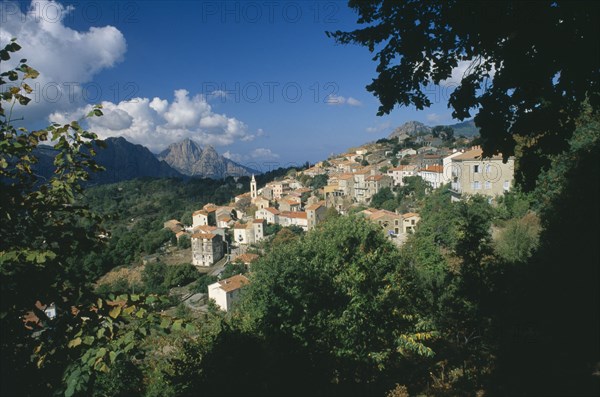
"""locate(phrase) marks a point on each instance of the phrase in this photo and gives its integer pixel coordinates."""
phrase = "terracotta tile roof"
(404, 168)
(434, 168)
(180, 234)
(346, 176)
(205, 228)
(383, 213)
(375, 178)
(233, 283)
(210, 208)
(258, 221)
(294, 214)
(409, 215)
(475, 154)
(200, 212)
(240, 226)
(273, 211)
(208, 236)
(313, 207)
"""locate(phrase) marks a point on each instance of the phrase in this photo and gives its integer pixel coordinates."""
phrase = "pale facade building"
(472, 174)
(271, 215)
(294, 218)
(226, 292)
(207, 249)
(315, 214)
(399, 173)
(410, 221)
(433, 175)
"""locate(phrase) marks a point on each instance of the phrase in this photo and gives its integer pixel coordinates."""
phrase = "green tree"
(339, 291)
(184, 242)
(519, 239)
(153, 278)
(42, 226)
(178, 275)
(382, 196)
(519, 83)
(319, 181)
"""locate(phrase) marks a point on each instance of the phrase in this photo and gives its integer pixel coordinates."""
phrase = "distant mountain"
(189, 158)
(410, 128)
(466, 128)
(414, 128)
(123, 160)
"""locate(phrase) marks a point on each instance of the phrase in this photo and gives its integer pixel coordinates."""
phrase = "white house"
(399, 173)
(294, 218)
(226, 292)
(249, 233)
(433, 175)
(271, 215)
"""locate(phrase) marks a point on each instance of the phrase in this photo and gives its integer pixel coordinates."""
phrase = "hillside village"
(342, 184)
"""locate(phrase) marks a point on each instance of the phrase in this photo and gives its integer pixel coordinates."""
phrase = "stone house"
(207, 249)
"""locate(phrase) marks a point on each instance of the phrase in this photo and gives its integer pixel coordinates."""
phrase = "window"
(476, 169)
(506, 185)
(412, 222)
(476, 185)
(488, 184)
(488, 168)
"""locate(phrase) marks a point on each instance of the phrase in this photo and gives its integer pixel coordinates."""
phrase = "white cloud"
(463, 69)
(156, 123)
(379, 127)
(66, 58)
(435, 118)
(335, 100)
(263, 154)
(238, 158)
(353, 102)
(255, 156)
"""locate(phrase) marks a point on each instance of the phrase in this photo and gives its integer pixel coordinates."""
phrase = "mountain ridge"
(412, 128)
(188, 158)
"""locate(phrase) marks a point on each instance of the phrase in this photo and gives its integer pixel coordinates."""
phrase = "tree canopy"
(529, 65)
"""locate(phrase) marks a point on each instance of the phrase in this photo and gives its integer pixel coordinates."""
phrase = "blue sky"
(260, 81)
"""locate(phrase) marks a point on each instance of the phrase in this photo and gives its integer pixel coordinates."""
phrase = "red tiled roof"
(233, 283)
(434, 168)
(208, 236)
(409, 215)
(294, 214)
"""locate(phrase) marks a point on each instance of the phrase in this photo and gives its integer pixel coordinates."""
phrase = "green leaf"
(114, 313)
(75, 342)
(165, 323)
(113, 356)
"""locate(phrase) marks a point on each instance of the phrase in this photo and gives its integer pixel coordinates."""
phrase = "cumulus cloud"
(336, 100)
(66, 58)
(155, 123)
